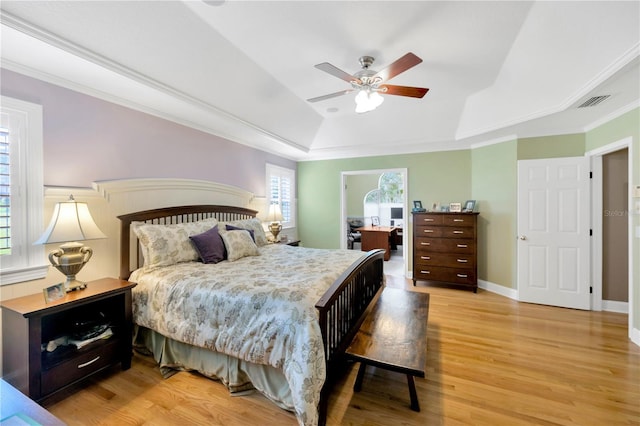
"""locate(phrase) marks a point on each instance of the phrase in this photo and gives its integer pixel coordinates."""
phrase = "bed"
(270, 317)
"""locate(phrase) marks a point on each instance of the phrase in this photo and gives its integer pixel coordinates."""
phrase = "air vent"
(593, 101)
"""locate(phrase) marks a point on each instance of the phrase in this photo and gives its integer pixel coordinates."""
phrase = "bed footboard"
(341, 311)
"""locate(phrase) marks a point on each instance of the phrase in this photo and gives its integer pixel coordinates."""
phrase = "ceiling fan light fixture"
(367, 100)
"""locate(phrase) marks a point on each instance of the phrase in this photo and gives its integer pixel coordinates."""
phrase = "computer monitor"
(396, 212)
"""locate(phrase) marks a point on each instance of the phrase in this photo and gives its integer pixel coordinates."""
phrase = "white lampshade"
(71, 221)
(275, 214)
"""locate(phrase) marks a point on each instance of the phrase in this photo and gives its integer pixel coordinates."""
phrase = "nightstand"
(294, 243)
(29, 324)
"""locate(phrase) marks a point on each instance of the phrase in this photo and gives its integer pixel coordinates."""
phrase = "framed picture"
(375, 221)
(469, 206)
(417, 204)
(54, 292)
(455, 207)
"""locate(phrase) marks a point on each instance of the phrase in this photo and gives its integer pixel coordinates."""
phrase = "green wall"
(432, 177)
(493, 186)
(487, 174)
(551, 146)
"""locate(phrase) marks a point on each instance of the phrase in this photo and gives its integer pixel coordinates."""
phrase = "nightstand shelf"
(29, 324)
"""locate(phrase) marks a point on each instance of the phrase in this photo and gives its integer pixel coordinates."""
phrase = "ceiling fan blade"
(401, 65)
(414, 92)
(329, 96)
(337, 72)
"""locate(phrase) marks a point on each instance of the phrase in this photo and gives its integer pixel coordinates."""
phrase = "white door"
(553, 232)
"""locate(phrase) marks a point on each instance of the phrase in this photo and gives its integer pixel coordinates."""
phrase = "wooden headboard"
(167, 216)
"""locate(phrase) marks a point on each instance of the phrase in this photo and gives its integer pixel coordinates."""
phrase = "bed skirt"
(237, 375)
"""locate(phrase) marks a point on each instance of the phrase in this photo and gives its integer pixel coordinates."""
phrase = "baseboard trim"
(615, 306)
(498, 289)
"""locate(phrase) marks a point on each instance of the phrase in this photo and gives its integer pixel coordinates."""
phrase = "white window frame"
(273, 170)
(27, 261)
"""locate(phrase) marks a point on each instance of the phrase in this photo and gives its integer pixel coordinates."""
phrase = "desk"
(377, 237)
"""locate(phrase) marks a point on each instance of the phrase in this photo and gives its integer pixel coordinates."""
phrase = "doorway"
(354, 194)
(598, 216)
(615, 236)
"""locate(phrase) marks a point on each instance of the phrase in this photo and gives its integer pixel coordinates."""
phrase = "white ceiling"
(244, 69)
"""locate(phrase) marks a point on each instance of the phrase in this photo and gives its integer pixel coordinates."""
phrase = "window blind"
(5, 193)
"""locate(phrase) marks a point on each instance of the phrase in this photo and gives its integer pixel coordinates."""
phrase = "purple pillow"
(235, 228)
(209, 246)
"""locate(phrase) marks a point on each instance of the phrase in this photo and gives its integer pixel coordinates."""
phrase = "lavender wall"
(87, 139)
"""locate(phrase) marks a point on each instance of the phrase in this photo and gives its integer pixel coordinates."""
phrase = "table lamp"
(71, 222)
(275, 217)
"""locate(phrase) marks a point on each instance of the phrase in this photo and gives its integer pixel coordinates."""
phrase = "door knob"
(522, 237)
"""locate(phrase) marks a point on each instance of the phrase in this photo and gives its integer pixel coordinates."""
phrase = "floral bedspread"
(259, 308)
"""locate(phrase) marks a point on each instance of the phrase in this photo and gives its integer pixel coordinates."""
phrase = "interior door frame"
(597, 218)
(405, 211)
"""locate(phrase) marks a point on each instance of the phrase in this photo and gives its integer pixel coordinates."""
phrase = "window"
(21, 192)
(281, 189)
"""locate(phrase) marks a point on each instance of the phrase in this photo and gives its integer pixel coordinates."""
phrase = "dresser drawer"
(80, 366)
(428, 219)
(458, 232)
(429, 231)
(450, 275)
(448, 260)
(446, 245)
(459, 220)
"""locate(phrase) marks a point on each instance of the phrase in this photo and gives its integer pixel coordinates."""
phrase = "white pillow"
(164, 245)
(239, 244)
(255, 225)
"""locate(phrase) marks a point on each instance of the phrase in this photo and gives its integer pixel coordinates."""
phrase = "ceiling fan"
(370, 84)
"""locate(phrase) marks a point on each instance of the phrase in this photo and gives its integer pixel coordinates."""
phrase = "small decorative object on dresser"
(455, 207)
(417, 206)
(54, 292)
(445, 248)
(375, 221)
(469, 206)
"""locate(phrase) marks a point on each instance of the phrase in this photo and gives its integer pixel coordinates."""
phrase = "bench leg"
(358, 385)
(415, 406)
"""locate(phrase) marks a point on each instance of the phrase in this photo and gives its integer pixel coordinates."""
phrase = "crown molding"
(98, 60)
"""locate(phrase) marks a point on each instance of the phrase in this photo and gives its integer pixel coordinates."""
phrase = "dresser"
(445, 248)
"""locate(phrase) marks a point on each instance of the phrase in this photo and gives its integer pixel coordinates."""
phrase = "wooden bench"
(393, 337)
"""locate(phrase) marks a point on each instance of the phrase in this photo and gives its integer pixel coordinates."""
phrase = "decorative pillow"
(235, 228)
(209, 246)
(239, 244)
(164, 245)
(255, 225)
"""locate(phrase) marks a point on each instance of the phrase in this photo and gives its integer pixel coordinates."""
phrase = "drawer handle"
(425, 272)
(458, 232)
(462, 276)
(428, 220)
(462, 246)
(425, 244)
(462, 260)
(89, 362)
(428, 231)
(425, 257)
(458, 220)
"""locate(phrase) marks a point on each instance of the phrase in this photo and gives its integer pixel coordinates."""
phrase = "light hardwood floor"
(491, 361)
